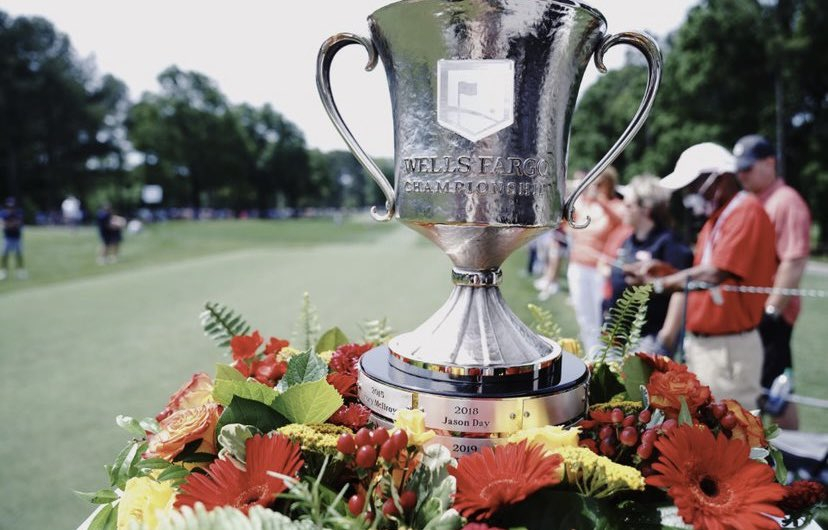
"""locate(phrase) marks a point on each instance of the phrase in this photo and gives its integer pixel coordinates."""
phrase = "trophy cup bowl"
(482, 95)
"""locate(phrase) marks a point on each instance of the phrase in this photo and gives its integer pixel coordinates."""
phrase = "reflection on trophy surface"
(482, 93)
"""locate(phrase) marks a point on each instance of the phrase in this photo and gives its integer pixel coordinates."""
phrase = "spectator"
(756, 166)
(110, 228)
(647, 212)
(586, 283)
(735, 247)
(71, 209)
(12, 218)
(556, 247)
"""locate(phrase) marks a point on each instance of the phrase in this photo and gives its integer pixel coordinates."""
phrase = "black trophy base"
(468, 416)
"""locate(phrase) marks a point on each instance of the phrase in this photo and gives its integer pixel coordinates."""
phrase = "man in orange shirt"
(756, 166)
(734, 247)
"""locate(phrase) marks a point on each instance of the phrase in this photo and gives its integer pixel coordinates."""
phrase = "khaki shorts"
(731, 365)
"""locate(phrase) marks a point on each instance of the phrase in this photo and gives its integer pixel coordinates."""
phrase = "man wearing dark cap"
(735, 247)
(756, 169)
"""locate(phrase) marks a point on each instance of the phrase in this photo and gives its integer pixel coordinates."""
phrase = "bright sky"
(264, 51)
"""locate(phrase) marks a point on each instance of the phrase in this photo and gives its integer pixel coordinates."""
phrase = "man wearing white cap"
(735, 247)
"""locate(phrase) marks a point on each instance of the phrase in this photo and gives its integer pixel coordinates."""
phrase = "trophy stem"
(474, 335)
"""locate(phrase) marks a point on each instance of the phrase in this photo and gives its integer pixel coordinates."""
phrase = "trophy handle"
(323, 84)
(652, 53)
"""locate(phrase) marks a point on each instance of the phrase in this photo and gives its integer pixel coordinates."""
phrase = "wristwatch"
(771, 310)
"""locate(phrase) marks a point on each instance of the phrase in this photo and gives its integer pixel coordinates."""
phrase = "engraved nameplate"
(464, 446)
(383, 399)
(471, 415)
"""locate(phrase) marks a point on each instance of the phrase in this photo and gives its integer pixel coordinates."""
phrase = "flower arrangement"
(277, 439)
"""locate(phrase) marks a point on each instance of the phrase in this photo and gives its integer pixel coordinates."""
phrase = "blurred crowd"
(704, 309)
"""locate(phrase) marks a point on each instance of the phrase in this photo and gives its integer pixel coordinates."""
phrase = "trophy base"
(470, 415)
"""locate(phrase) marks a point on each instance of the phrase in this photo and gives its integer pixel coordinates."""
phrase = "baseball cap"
(750, 149)
(696, 160)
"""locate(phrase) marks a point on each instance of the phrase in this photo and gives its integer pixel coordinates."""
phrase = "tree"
(189, 134)
(55, 114)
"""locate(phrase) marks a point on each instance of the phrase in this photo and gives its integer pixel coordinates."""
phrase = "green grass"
(81, 343)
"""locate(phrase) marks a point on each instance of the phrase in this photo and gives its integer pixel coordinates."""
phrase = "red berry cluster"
(366, 445)
(718, 418)
(364, 448)
(624, 438)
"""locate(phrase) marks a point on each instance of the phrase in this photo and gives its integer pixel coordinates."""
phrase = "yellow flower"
(326, 356)
(286, 353)
(143, 497)
(598, 476)
(572, 346)
(316, 437)
(551, 437)
(413, 423)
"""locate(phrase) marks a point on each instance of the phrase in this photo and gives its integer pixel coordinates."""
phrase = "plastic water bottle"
(779, 393)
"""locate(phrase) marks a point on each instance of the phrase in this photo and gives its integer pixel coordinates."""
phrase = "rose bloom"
(143, 497)
(666, 389)
(551, 437)
(195, 393)
(183, 427)
(748, 427)
(413, 423)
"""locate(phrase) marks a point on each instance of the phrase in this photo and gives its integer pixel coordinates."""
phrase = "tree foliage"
(59, 123)
(721, 73)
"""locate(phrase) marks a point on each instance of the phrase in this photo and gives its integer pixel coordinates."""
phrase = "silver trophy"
(482, 93)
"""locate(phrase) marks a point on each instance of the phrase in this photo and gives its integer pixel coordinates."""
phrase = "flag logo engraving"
(475, 98)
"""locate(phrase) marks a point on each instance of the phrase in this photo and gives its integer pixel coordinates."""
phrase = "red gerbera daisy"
(227, 485)
(344, 360)
(503, 475)
(714, 483)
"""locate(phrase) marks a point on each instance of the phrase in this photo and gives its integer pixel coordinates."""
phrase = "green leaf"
(227, 372)
(253, 413)
(684, 417)
(130, 425)
(627, 317)
(221, 323)
(103, 496)
(331, 340)
(224, 390)
(544, 322)
(172, 473)
(233, 438)
(603, 384)
(305, 367)
(106, 519)
(636, 374)
(308, 402)
(150, 424)
(778, 464)
(153, 463)
(124, 466)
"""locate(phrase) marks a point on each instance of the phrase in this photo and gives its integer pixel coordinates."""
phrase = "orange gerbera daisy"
(713, 481)
(503, 475)
(227, 485)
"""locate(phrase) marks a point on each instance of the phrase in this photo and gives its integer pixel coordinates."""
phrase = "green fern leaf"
(225, 518)
(376, 331)
(627, 317)
(307, 328)
(544, 323)
(221, 323)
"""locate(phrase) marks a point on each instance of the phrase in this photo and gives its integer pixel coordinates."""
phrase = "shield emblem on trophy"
(475, 98)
